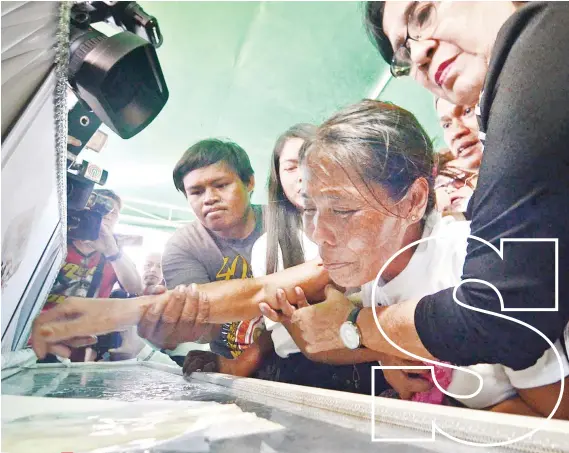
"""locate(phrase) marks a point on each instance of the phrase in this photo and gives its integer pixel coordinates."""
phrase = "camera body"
(84, 224)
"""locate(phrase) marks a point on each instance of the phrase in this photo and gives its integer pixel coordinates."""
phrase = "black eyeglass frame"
(403, 53)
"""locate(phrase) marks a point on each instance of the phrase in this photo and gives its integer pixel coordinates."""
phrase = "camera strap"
(97, 277)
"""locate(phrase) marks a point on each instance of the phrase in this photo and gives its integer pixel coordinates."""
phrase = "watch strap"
(353, 316)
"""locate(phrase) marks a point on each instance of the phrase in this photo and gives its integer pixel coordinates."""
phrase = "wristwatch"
(349, 331)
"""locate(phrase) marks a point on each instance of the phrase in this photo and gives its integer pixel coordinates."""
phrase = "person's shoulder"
(185, 232)
(186, 238)
(523, 49)
(525, 28)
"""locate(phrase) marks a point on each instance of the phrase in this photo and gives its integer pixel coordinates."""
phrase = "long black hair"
(283, 221)
(373, 23)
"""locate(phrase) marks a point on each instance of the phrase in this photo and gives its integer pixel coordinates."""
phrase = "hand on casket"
(73, 322)
(201, 362)
(165, 319)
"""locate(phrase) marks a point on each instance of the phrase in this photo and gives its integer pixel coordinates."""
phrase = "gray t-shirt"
(196, 255)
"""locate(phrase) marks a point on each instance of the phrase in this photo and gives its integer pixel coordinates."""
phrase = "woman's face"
(452, 195)
(452, 61)
(289, 172)
(350, 222)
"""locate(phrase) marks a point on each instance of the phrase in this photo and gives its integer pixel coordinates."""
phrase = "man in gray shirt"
(217, 179)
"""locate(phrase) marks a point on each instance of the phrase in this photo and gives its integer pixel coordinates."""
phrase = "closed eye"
(345, 213)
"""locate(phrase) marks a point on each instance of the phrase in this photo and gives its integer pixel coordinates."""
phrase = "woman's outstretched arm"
(180, 315)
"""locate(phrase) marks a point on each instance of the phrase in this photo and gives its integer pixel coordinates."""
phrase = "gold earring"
(414, 218)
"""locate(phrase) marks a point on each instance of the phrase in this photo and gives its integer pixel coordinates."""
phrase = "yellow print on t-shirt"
(76, 272)
(55, 299)
(239, 268)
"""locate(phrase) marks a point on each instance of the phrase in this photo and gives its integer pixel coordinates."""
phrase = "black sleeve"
(523, 192)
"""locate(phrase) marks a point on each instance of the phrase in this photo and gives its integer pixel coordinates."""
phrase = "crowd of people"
(374, 247)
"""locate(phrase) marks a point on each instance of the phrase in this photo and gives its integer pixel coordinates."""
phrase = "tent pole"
(381, 84)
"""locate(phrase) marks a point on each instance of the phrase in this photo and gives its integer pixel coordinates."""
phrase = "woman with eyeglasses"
(454, 184)
(511, 60)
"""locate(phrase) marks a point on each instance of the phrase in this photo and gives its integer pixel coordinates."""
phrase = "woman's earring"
(413, 218)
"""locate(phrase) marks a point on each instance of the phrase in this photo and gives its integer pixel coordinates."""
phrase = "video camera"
(118, 81)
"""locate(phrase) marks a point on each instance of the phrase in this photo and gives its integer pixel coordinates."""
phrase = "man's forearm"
(228, 301)
(238, 300)
(127, 275)
(397, 322)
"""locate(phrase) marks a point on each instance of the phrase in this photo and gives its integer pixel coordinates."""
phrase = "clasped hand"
(319, 324)
(165, 319)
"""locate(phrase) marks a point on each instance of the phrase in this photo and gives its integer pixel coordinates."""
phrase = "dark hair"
(109, 194)
(444, 167)
(211, 151)
(441, 158)
(283, 221)
(373, 22)
(382, 142)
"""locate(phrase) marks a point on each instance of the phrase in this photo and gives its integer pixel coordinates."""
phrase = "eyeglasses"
(458, 182)
(421, 24)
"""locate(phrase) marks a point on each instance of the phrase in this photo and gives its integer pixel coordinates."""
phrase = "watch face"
(350, 335)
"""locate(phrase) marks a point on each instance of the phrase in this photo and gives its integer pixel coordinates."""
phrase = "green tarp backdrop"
(247, 71)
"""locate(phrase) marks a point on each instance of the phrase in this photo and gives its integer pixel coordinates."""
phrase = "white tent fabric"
(29, 39)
